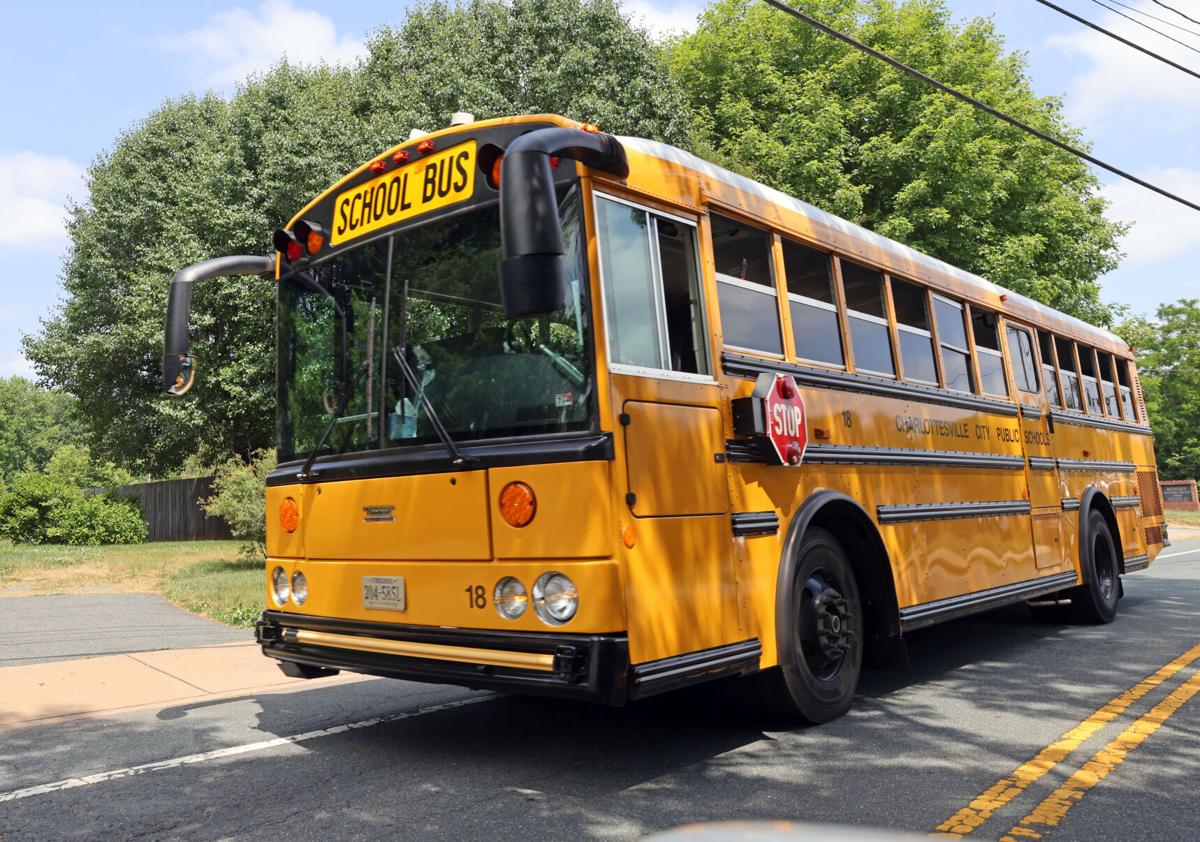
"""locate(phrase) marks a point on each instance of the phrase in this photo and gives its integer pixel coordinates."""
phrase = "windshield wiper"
(457, 457)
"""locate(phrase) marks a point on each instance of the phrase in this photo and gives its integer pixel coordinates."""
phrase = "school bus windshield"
(430, 296)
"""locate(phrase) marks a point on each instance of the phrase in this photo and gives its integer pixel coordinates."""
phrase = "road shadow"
(982, 695)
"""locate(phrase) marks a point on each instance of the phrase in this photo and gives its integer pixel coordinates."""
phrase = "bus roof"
(897, 256)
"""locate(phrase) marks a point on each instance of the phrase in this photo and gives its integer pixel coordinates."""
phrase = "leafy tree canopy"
(34, 422)
(790, 106)
(1168, 357)
(202, 177)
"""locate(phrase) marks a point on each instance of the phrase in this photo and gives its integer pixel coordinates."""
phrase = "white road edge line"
(101, 777)
(1172, 555)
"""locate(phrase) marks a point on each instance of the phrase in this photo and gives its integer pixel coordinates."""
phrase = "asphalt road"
(1118, 756)
(37, 629)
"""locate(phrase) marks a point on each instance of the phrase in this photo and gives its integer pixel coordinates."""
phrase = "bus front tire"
(821, 641)
(1095, 601)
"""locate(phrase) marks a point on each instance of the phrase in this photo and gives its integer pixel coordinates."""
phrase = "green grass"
(205, 577)
(1184, 520)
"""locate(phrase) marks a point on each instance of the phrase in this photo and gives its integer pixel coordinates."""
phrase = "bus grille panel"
(1148, 490)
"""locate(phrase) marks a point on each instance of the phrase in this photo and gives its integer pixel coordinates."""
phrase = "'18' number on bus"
(476, 596)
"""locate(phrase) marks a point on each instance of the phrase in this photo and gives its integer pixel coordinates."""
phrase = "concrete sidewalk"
(38, 693)
(38, 629)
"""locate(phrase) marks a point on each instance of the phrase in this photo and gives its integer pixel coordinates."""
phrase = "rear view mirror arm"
(179, 367)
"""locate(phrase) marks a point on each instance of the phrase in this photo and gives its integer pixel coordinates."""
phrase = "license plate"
(428, 183)
(384, 592)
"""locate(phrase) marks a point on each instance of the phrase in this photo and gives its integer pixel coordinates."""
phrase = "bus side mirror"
(532, 275)
(179, 367)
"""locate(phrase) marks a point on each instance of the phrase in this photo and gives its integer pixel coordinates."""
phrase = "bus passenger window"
(1048, 368)
(916, 340)
(812, 303)
(869, 333)
(1108, 385)
(1070, 377)
(987, 343)
(1020, 351)
(1087, 365)
(1126, 389)
(651, 290)
(745, 286)
(952, 334)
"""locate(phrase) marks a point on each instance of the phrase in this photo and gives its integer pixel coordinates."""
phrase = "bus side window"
(745, 286)
(1020, 350)
(985, 326)
(1108, 385)
(952, 334)
(1048, 374)
(1091, 388)
(915, 335)
(654, 314)
(867, 312)
(1070, 377)
(1126, 389)
(813, 304)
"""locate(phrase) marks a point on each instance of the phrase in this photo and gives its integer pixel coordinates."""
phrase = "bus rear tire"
(1095, 601)
(821, 638)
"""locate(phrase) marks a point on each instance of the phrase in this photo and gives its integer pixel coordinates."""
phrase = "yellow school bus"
(567, 413)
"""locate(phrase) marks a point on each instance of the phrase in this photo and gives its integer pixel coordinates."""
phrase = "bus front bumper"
(589, 667)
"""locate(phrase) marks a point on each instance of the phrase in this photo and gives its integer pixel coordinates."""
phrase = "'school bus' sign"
(435, 181)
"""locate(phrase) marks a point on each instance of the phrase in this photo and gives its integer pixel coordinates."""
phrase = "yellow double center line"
(1054, 807)
(983, 806)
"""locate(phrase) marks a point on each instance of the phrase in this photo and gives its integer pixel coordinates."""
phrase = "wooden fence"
(172, 510)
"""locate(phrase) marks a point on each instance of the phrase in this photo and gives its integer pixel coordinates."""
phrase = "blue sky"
(79, 75)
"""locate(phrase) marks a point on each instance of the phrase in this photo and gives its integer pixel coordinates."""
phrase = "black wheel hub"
(832, 616)
(826, 626)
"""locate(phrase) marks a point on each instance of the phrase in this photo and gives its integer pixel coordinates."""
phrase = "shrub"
(239, 496)
(97, 520)
(43, 509)
(28, 508)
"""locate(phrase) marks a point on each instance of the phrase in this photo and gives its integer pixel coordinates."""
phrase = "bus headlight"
(510, 597)
(555, 598)
(279, 585)
(299, 588)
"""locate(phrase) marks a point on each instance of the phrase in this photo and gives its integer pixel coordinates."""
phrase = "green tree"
(34, 422)
(239, 496)
(202, 177)
(73, 465)
(1168, 358)
(784, 103)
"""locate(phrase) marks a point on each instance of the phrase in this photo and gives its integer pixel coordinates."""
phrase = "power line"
(1000, 115)
(1146, 25)
(1176, 11)
(1136, 10)
(1113, 35)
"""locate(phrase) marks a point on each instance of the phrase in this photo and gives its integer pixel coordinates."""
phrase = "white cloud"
(238, 42)
(1162, 229)
(33, 193)
(669, 17)
(16, 364)
(1127, 87)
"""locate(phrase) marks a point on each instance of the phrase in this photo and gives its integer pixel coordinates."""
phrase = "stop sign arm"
(773, 417)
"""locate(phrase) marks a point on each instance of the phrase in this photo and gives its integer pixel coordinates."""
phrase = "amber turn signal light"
(518, 504)
(289, 515)
(311, 234)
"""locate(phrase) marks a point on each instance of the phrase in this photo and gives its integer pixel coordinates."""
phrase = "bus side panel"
(681, 595)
